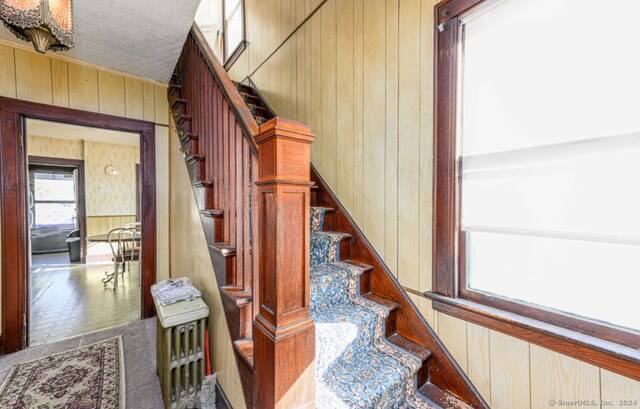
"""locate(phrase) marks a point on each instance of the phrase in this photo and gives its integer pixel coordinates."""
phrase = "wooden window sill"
(605, 354)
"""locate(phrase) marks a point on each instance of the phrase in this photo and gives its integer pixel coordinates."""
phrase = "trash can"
(73, 243)
(180, 359)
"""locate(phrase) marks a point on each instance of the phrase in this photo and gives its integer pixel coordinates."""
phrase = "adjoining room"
(85, 234)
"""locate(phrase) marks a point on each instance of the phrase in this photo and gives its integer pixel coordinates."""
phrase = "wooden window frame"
(230, 56)
(602, 344)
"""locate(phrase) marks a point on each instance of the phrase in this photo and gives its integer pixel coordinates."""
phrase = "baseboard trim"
(222, 402)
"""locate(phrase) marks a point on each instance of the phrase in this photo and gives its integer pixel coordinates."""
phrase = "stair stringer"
(443, 370)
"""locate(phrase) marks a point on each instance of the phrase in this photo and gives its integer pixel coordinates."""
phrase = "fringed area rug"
(356, 367)
(90, 377)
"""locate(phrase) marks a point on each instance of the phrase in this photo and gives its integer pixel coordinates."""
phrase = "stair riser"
(345, 250)
(197, 169)
(390, 324)
(225, 268)
(189, 145)
(365, 282)
(213, 226)
(243, 314)
(423, 374)
(204, 197)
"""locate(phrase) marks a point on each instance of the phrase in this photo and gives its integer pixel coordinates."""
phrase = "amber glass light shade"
(48, 24)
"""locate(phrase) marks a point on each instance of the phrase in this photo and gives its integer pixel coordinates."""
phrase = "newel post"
(283, 331)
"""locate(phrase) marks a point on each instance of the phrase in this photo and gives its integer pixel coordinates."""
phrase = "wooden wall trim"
(605, 354)
(14, 199)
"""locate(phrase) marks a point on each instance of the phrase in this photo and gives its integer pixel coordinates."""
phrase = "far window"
(233, 27)
(54, 200)
(538, 161)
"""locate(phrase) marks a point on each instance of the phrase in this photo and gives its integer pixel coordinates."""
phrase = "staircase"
(373, 349)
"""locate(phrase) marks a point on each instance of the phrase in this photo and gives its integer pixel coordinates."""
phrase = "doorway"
(84, 266)
(42, 208)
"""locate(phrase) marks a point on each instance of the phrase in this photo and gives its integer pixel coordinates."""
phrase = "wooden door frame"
(82, 206)
(14, 230)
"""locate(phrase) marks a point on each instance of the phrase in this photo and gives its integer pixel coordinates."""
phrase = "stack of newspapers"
(172, 291)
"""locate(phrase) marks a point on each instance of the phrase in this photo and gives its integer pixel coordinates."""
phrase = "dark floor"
(68, 300)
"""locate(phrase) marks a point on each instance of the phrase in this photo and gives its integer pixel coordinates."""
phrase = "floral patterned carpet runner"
(356, 367)
(90, 377)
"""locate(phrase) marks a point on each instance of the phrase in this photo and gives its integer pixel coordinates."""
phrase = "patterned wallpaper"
(108, 195)
(55, 148)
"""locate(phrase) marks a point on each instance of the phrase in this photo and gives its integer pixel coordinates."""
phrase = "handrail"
(243, 115)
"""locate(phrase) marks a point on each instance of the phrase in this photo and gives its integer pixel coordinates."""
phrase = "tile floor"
(69, 299)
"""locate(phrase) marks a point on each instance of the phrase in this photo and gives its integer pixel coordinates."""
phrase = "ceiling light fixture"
(48, 24)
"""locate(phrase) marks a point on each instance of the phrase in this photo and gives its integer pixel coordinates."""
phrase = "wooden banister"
(242, 114)
(284, 332)
(253, 192)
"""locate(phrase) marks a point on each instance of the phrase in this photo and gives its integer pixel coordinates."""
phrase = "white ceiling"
(37, 127)
(141, 37)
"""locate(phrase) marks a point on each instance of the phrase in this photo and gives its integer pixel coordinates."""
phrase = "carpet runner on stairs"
(356, 367)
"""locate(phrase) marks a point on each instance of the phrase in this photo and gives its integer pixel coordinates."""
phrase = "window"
(233, 28)
(54, 200)
(536, 163)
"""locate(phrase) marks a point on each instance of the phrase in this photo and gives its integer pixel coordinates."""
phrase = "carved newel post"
(283, 331)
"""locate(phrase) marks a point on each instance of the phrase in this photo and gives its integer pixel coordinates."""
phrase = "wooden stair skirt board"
(246, 201)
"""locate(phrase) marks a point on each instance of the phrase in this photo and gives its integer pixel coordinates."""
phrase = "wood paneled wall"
(190, 258)
(104, 224)
(515, 374)
(361, 73)
(56, 80)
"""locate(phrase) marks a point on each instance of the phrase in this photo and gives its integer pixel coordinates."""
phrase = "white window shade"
(549, 154)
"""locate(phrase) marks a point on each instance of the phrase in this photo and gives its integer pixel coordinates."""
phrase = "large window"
(538, 162)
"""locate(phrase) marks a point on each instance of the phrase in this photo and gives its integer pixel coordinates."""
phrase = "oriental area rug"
(90, 377)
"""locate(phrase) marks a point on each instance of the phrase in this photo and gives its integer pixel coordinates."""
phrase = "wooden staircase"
(218, 123)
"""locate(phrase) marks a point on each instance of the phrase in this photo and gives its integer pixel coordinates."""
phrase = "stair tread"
(365, 267)
(442, 398)
(225, 249)
(203, 183)
(244, 347)
(410, 346)
(326, 209)
(238, 295)
(391, 305)
(194, 157)
(345, 236)
(212, 212)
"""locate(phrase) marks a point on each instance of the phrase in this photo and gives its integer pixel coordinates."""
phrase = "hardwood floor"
(69, 299)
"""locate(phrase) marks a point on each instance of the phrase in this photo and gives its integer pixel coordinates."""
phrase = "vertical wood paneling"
(134, 98)
(83, 88)
(616, 388)
(111, 93)
(33, 77)
(509, 363)
(329, 138)
(453, 332)
(149, 102)
(60, 82)
(374, 123)
(7, 72)
(409, 166)
(559, 377)
(478, 353)
(344, 103)
(161, 105)
(316, 89)
(391, 138)
(426, 142)
(358, 111)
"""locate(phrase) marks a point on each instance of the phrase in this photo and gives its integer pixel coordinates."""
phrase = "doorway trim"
(82, 207)
(15, 229)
